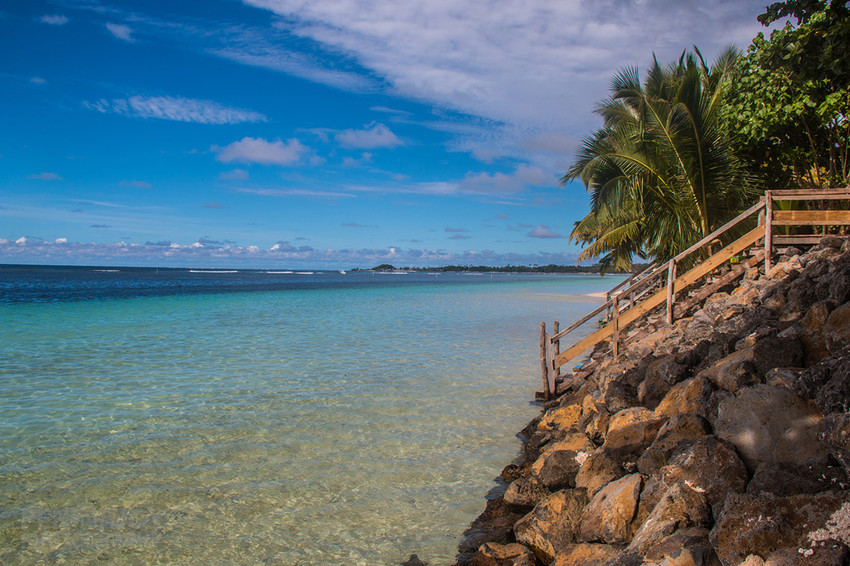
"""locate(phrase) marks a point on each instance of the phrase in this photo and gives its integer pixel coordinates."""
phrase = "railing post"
(671, 291)
(768, 230)
(556, 347)
(544, 362)
(615, 335)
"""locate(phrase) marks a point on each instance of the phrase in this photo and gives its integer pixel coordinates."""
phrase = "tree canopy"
(787, 109)
(661, 171)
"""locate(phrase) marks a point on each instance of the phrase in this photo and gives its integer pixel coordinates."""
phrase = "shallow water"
(352, 423)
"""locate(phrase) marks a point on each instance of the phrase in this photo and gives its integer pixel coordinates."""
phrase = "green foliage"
(661, 171)
(789, 103)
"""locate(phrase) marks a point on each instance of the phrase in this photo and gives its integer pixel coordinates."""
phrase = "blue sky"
(327, 134)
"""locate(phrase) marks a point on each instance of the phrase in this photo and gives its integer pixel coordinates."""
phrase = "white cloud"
(372, 136)
(543, 231)
(38, 81)
(522, 177)
(208, 252)
(258, 150)
(177, 109)
(47, 176)
(120, 31)
(234, 175)
(136, 184)
(541, 63)
(54, 19)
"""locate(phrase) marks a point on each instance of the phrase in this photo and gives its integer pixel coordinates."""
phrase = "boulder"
(559, 463)
(597, 470)
(495, 524)
(608, 516)
(762, 524)
(770, 424)
(632, 430)
(560, 418)
(680, 507)
(689, 396)
(836, 436)
(836, 331)
(735, 371)
(494, 554)
(777, 351)
(784, 479)
(680, 428)
(710, 466)
(814, 343)
(783, 377)
(831, 553)
(526, 492)
(585, 554)
(828, 383)
(685, 547)
(553, 525)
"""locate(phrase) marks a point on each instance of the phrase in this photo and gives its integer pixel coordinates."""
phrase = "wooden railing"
(633, 298)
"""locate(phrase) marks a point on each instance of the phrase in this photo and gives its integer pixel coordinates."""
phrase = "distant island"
(551, 268)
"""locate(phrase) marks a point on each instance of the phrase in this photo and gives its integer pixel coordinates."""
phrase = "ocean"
(258, 417)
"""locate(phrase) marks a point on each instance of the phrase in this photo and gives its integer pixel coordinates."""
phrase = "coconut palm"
(661, 171)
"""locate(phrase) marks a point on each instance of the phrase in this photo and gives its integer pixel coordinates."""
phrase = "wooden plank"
(671, 290)
(768, 231)
(655, 300)
(810, 217)
(803, 239)
(615, 332)
(544, 362)
(803, 194)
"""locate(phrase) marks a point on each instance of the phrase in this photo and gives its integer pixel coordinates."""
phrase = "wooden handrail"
(636, 286)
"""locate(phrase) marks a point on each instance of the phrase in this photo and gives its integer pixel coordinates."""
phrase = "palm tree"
(661, 172)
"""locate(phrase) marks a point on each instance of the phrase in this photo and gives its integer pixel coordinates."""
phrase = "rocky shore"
(723, 438)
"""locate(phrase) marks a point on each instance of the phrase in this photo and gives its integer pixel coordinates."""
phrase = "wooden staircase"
(659, 284)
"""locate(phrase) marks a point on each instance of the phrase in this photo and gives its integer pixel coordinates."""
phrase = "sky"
(329, 134)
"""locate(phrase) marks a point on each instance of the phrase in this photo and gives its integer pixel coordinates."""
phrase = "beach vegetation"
(788, 107)
(662, 173)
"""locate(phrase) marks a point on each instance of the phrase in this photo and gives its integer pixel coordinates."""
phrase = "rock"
(599, 469)
(784, 479)
(764, 523)
(667, 369)
(771, 424)
(413, 561)
(495, 524)
(680, 507)
(831, 553)
(735, 371)
(608, 516)
(836, 436)
(832, 242)
(839, 283)
(783, 377)
(494, 554)
(559, 463)
(752, 560)
(680, 428)
(526, 492)
(814, 343)
(689, 396)
(710, 466)
(828, 383)
(561, 418)
(553, 525)
(685, 547)
(618, 396)
(632, 430)
(836, 331)
(585, 554)
(777, 351)
(651, 391)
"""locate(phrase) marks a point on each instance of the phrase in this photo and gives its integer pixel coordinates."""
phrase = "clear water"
(330, 421)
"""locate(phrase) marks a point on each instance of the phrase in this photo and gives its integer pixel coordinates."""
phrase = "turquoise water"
(353, 425)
